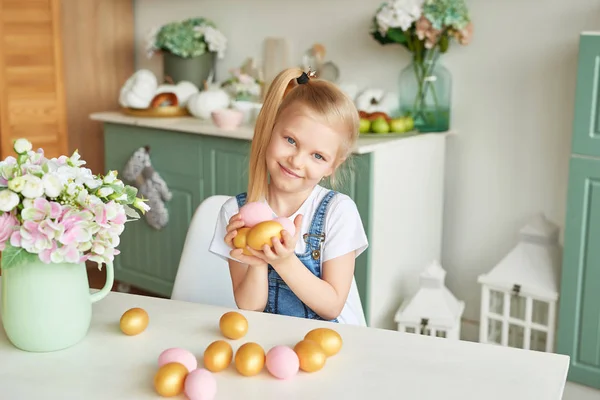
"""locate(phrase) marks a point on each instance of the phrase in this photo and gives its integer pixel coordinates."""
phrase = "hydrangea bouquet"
(425, 28)
(57, 210)
(188, 38)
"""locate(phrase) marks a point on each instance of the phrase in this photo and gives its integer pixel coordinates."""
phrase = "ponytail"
(257, 174)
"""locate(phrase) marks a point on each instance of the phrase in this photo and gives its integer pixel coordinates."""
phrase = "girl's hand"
(235, 223)
(281, 250)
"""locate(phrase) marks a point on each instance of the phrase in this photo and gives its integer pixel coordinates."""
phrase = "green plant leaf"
(396, 35)
(130, 212)
(15, 256)
(131, 193)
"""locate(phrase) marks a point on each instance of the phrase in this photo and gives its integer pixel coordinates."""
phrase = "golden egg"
(134, 321)
(329, 340)
(239, 241)
(312, 356)
(233, 325)
(217, 356)
(170, 378)
(262, 233)
(249, 359)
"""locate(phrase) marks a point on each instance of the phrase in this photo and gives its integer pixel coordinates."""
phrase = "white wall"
(512, 102)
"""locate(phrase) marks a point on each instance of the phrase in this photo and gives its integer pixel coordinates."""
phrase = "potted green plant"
(425, 28)
(190, 49)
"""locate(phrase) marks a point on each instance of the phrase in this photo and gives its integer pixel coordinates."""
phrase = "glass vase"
(425, 87)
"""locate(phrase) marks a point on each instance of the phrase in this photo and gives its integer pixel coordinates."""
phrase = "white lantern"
(433, 310)
(519, 295)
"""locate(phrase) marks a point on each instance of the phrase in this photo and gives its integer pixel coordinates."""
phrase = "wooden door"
(32, 99)
(586, 121)
(579, 312)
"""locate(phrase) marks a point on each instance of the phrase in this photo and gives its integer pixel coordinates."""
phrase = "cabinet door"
(149, 258)
(586, 122)
(225, 165)
(579, 310)
(32, 103)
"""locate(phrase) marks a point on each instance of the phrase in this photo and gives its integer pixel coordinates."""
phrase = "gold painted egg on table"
(249, 359)
(170, 379)
(134, 321)
(218, 356)
(312, 356)
(262, 234)
(240, 240)
(233, 325)
(328, 339)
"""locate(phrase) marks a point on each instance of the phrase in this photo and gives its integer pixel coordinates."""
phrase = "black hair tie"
(302, 78)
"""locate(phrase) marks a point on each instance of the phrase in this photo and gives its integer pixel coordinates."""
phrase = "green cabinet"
(196, 166)
(578, 333)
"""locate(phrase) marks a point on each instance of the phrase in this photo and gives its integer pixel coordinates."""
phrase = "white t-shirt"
(343, 228)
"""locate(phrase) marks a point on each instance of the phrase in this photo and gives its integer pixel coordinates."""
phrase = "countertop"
(372, 363)
(365, 144)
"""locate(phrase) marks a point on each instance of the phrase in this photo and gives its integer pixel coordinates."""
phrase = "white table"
(373, 364)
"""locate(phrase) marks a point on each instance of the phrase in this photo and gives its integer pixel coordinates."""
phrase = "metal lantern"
(433, 310)
(519, 295)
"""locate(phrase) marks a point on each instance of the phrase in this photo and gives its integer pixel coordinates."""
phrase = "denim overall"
(281, 298)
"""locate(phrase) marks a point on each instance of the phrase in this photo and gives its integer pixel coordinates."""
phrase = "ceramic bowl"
(227, 119)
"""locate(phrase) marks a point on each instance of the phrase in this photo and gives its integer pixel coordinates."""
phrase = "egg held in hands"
(240, 240)
(254, 213)
(287, 224)
(263, 233)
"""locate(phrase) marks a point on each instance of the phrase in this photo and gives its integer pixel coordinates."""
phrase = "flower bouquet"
(425, 28)
(189, 47)
(242, 87)
(55, 216)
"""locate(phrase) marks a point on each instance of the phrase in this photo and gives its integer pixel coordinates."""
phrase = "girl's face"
(302, 151)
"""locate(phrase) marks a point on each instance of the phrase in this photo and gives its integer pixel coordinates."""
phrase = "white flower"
(22, 146)
(16, 184)
(216, 41)
(105, 191)
(398, 14)
(151, 41)
(8, 200)
(52, 185)
(33, 187)
(110, 177)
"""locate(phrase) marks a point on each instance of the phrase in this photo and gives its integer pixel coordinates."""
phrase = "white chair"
(203, 277)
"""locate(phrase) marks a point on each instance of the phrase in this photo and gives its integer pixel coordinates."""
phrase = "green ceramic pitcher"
(48, 307)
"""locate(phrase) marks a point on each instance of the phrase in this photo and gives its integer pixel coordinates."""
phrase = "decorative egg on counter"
(241, 239)
(233, 325)
(203, 103)
(329, 340)
(312, 357)
(263, 233)
(287, 224)
(170, 379)
(282, 362)
(218, 356)
(249, 359)
(179, 355)
(200, 384)
(254, 213)
(134, 321)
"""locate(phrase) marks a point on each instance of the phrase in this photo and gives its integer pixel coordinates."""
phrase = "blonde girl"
(305, 131)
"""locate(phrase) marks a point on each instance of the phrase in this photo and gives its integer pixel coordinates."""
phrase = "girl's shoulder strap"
(318, 221)
(241, 199)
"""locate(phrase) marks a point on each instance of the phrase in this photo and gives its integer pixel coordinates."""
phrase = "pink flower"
(41, 209)
(8, 224)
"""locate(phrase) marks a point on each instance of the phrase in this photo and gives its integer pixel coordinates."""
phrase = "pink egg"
(255, 212)
(282, 362)
(179, 355)
(287, 224)
(200, 384)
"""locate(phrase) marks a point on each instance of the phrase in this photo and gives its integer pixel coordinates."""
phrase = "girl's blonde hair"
(321, 97)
